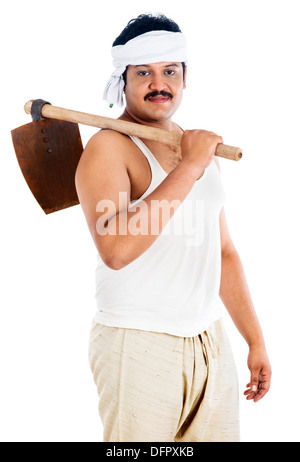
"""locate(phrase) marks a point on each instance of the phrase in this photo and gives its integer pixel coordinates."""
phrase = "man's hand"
(198, 148)
(261, 372)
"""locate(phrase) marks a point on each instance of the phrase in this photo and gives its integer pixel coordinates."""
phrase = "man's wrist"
(192, 171)
(256, 344)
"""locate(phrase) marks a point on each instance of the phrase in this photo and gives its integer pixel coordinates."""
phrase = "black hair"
(146, 23)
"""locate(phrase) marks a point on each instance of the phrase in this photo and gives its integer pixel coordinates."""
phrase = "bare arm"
(236, 297)
(102, 174)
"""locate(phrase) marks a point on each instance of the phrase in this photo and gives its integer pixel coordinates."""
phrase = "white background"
(243, 83)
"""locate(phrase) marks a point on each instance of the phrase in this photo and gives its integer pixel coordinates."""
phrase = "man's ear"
(184, 77)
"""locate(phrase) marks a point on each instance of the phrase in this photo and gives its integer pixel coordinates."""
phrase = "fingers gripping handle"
(127, 128)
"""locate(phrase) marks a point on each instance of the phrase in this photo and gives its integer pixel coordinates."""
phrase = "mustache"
(157, 93)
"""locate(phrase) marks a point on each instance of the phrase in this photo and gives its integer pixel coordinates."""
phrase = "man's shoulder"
(108, 138)
(106, 147)
(105, 150)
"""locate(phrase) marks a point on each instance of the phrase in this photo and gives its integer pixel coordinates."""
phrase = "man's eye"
(170, 72)
(143, 73)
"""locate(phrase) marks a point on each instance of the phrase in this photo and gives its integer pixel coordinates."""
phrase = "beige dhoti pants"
(156, 387)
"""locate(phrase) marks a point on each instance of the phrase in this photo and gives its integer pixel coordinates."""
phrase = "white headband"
(151, 47)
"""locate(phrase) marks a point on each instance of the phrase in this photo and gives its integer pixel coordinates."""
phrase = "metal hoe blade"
(48, 152)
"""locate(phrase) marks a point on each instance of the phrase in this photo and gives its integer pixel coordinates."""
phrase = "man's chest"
(164, 157)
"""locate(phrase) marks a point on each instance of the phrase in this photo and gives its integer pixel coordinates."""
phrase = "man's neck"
(165, 124)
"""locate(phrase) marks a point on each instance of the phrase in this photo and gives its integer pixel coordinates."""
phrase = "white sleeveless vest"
(173, 287)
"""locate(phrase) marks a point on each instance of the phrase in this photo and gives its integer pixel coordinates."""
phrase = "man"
(158, 350)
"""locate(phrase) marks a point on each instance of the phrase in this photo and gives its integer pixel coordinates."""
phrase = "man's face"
(154, 91)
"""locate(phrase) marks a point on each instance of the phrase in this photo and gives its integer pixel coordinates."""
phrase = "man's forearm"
(127, 245)
(235, 294)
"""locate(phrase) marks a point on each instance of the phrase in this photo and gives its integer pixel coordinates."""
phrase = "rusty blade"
(48, 152)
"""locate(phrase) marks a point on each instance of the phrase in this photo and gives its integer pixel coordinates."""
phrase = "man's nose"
(157, 83)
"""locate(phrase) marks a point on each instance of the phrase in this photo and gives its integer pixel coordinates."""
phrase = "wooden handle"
(127, 128)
